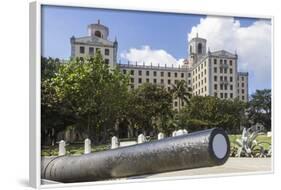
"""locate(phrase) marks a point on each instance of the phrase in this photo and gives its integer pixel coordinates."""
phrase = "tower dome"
(98, 30)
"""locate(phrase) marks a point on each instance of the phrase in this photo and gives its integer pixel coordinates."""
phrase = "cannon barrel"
(199, 149)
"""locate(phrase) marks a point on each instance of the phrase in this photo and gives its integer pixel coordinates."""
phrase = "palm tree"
(181, 91)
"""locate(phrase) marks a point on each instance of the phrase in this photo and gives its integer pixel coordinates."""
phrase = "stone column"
(160, 136)
(141, 139)
(114, 142)
(87, 146)
(62, 151)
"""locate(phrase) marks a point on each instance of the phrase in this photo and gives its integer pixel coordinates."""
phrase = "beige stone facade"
(206, 73)
(97, 40)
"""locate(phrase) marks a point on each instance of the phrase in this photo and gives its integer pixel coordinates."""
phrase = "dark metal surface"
(188, 151)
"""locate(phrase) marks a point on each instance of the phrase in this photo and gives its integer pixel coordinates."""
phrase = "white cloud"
(147, 56)
(253, 44)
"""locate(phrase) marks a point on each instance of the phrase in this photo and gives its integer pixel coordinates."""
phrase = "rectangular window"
(132, 80)
(221, 95)
(225, 86)
(220, 61)
(215, 70)
(231, 87)
(176, 75)
(242, 84)
(230, 71)
(225, 95)
(124, 71)
(162, 74)
(169, 74)
(221, 78)
(91, 50)
(225, 78)
(243, 91)
(182, 75)
(169, 81)
(205, 71)
(224, 61)
(189, 74)
(225, 70)
(215, 78)
(82, 49)
(140, 73)
(243, 98)
(140, 81)
(230, 62)
(162, 81)
(231, 95)
(154, 81)
(216, 94)
(189, 81)
(215, 61)
(106, 51)
(221, 87)
(132, 72)
(176, 104)
(147, 73)
(154, 73)
(221, 70)
(215, 86)
(230, 79)
(242, 78)
(147, 80)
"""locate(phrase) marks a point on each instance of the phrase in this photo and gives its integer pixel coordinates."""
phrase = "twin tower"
(196, 49)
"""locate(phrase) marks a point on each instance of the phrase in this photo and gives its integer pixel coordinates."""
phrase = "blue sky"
(132, 29)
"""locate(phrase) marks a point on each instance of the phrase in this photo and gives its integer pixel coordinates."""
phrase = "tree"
(207, 112)
(90, 91)
(54, 118)
(260, 108)
(150, 107)
(181, 91)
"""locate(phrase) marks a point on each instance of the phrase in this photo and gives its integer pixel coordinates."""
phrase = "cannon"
(199, 149)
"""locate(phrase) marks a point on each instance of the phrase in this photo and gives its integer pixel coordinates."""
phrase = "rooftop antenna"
(98, 21)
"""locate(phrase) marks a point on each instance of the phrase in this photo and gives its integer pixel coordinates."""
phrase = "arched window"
(199, 48)
(190, 50)
(98, 34)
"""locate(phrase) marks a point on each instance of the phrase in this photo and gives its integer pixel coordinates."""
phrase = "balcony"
(224, 82)
(222, 65)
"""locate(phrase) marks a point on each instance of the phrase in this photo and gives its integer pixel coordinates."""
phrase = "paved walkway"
(232, 166)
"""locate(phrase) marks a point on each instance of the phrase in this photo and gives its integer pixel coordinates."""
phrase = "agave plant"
(248, 146)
